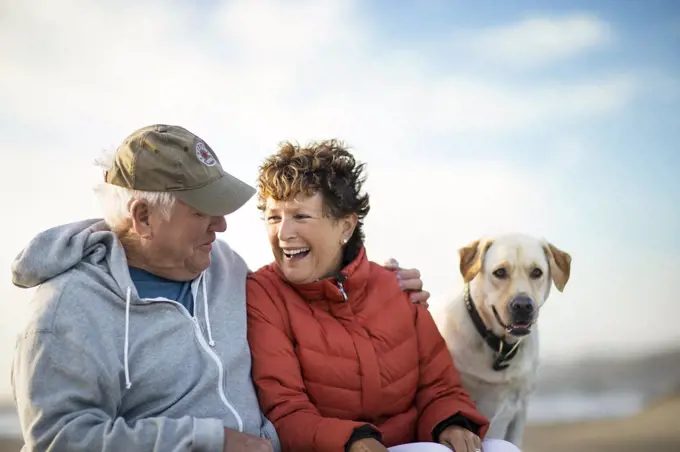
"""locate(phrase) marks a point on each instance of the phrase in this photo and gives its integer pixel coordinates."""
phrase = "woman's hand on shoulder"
(367, 445)
(409, 281)
(460, 439)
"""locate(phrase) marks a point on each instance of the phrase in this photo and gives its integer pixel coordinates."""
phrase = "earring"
(345, 240)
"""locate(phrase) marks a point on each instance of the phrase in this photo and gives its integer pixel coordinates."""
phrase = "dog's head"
(512, 278)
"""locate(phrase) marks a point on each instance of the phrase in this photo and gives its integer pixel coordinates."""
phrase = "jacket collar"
(343, 287)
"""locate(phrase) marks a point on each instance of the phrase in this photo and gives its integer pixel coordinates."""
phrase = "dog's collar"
(504, 351)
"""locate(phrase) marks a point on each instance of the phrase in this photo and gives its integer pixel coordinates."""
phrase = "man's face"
(181, 245)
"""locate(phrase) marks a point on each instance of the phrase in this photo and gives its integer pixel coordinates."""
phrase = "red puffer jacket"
(325, 365)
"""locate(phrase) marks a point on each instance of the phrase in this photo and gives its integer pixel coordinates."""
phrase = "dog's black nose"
(522, 306)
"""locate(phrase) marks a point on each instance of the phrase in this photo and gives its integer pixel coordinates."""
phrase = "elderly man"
(137, 334)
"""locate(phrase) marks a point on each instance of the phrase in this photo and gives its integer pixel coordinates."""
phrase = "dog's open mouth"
(516, 329)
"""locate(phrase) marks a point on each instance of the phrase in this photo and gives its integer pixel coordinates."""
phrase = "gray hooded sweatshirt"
(98, 368)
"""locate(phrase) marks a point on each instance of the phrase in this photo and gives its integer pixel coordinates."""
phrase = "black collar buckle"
(505, 351)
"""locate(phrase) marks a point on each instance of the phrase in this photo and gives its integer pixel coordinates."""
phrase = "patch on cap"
(204, 154)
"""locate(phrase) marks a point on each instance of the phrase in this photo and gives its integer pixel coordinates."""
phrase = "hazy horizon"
(536, 117)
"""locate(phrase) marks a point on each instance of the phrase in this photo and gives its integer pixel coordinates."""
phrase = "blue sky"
(559, 119)
(633, 154)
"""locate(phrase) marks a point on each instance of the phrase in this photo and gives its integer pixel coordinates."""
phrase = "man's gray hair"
(115, 201)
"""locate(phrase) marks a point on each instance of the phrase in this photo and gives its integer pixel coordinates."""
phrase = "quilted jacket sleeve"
(440, 390)
(281, 389)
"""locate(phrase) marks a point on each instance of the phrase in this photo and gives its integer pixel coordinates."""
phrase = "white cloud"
(259, 71)
(270, 32)
(541, 40)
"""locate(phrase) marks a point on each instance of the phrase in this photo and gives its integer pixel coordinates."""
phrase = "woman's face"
(307, 244)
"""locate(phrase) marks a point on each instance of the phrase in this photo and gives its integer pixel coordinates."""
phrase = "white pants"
(488, 445)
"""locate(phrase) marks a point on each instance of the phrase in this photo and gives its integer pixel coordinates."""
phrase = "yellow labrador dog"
(490, 328)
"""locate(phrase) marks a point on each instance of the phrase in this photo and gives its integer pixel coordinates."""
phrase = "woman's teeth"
(298, 252)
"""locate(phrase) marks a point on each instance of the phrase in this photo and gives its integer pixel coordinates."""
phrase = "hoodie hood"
(58, 249)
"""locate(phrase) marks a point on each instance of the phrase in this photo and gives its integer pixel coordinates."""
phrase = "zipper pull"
(342, 291)
(341, 278)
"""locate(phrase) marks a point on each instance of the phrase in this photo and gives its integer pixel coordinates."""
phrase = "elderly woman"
(342, 360)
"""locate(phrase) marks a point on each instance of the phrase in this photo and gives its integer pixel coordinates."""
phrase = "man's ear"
(560, 265)
(471, 257)
(141, 213)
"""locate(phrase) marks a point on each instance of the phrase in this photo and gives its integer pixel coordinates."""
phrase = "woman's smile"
(295, 254)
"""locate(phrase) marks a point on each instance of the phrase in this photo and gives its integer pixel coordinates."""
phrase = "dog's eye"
(536, 273)
(500, 273)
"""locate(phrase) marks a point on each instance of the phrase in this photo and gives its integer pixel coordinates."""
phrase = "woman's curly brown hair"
(324, 167)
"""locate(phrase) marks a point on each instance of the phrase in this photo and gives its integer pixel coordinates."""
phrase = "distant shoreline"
(544, 409)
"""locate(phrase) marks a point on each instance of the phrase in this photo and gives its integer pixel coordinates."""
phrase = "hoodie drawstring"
(128, 383)
(211, 342)
(128, 298)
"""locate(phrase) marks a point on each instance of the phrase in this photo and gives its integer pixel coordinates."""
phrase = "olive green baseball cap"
(167, 158)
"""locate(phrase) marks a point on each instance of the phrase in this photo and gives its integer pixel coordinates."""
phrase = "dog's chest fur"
(502, 396)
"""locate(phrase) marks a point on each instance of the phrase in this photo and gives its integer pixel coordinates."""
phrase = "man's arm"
(281, 388)
(410, 281)
(68, 400)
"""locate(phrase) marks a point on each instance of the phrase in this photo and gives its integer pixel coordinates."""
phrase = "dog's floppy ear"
(471, 258)
(560, 265)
